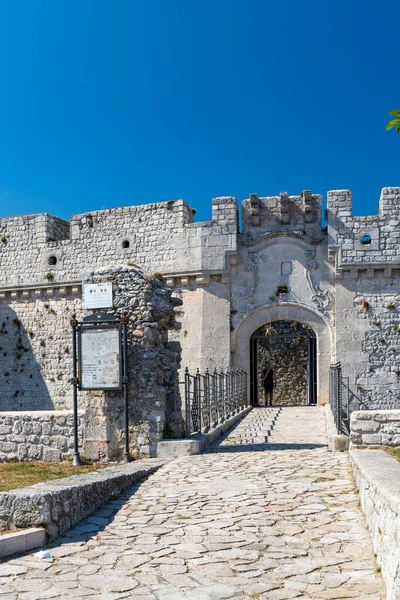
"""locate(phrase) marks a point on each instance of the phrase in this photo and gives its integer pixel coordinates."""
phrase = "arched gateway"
(318, 355)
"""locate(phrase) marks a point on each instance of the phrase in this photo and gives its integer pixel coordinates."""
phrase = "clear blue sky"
(111, 103)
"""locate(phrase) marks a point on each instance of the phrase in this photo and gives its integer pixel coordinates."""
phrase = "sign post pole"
(76, 460)
(124, 322)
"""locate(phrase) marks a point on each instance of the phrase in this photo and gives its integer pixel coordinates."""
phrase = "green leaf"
(393, 123)
(394, 113)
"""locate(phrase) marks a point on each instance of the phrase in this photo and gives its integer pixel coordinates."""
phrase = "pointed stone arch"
(289, 312)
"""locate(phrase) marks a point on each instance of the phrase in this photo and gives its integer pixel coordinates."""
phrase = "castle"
(341, 283)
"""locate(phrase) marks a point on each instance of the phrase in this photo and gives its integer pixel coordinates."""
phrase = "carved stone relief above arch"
(322, 299)
(259, 287)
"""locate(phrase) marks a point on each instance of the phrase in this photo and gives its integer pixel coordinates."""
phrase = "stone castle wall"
(230, 282)
(35, 352)
(40, 250)
(367, 290)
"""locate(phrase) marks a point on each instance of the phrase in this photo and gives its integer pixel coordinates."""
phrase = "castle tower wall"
(365, 252)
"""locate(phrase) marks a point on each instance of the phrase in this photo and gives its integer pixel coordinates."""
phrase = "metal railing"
(213, 397)
(339, 398)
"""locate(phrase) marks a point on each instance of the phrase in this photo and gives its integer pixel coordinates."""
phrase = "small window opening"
(366, 240)
(52, 260)
(125, 244)
(286, 268)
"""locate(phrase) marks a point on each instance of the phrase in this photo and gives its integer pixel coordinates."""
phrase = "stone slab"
(175, 448)
(22, 541)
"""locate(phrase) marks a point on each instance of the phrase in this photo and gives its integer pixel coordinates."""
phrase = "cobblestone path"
(268, 521)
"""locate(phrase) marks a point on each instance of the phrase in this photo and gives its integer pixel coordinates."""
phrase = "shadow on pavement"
(263, 447)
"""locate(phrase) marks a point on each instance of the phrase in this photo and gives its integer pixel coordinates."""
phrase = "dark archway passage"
(286, 349)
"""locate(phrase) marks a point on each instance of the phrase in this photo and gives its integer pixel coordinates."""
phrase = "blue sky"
(105, 104)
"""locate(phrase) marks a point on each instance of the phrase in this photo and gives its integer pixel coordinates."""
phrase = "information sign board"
(99, 295)
(100, 358)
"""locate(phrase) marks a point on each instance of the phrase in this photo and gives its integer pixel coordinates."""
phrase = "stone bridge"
(267, 513)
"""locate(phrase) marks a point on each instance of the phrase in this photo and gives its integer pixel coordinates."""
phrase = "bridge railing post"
(212, 397)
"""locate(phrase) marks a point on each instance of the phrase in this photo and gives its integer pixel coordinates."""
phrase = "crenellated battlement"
(43, 249)
(367, 242)
(163, 237)
(283, 212)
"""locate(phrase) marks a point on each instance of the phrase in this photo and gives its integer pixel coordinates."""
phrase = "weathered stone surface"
(59, 504)
(377, 477)
(233, 523)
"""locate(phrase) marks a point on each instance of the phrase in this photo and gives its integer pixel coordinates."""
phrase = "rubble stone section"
(153, 363)
(38, 436)
(375, 428)
(378, 384)
(275, 523)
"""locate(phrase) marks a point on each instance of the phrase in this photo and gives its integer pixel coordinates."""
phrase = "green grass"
(395, 452)
(19, 475)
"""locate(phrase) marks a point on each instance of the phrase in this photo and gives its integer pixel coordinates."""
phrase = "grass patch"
(19, 475)
(395, 452)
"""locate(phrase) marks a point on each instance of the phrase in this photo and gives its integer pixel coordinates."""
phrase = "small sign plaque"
(100, 359)
(99, 295)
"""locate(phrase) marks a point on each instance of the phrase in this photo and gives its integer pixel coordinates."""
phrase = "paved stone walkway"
(268, 521)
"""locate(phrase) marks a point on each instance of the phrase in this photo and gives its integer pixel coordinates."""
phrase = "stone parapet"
(38, 435)
(377, 476)
(375, 428)
(60, 504)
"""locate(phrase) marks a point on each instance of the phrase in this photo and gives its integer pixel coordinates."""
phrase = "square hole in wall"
(286, 268)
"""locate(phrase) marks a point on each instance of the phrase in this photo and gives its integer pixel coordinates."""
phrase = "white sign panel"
(97, 295)
(100, 359)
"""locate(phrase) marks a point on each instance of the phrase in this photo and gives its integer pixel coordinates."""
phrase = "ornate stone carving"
(244, 300)
(321, 298)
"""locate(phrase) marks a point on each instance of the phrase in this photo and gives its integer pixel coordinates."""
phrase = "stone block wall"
(375, 428)
(38, 436)
(41, 248)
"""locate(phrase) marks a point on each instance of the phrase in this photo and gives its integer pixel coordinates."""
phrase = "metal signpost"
(100, 362)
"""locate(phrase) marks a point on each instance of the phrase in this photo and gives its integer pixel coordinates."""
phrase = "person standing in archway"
(268, 380)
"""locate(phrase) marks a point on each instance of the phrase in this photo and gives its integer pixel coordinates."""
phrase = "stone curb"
(22, 541)
(336, 442)
(199, 441)
(60, 504)
(377, 476)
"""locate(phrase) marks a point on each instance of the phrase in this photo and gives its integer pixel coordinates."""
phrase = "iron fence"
(213, 397)
(340, 399)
